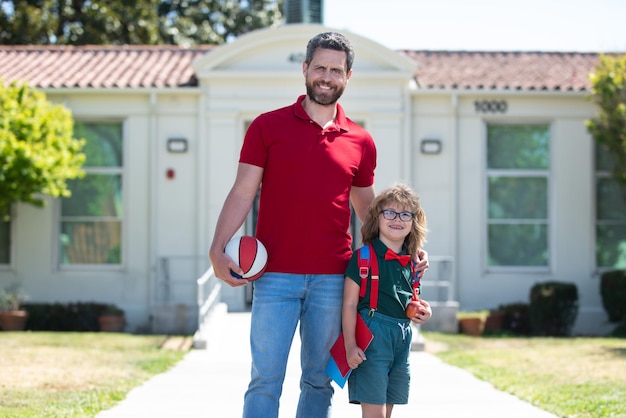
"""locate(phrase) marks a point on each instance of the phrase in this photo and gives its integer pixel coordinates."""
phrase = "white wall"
(452, 188)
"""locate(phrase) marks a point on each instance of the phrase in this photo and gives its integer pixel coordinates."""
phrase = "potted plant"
(472, 323)
(112, 319)
(12, 316)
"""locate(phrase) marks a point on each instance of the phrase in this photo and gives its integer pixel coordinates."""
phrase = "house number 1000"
(490, 106)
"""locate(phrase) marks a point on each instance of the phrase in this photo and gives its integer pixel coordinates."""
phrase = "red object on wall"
(170, 173)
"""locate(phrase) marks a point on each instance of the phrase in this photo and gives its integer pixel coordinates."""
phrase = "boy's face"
(394, 230)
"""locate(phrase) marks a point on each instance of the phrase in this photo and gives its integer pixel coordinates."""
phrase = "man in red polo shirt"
(310, 161)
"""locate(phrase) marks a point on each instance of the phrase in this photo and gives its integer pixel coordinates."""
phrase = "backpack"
(367, 261)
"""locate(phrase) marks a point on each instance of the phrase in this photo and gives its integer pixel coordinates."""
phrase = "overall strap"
(367, 257)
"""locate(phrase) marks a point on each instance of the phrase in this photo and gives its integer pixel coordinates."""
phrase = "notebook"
(337, 367)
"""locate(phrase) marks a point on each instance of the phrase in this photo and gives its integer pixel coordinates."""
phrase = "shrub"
(613, 291)
(76, 316)
(516, 318)
(553, 308)
(619, 331)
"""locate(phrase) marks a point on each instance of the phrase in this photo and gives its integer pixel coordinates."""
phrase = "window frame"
(12, 234)
(517, 173)
(597, 174)
(122, 171)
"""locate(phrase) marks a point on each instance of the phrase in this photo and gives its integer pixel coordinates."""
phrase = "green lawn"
(46, 374)
(60, 374)
(570, 377)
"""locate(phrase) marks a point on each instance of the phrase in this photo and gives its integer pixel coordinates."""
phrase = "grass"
(47, 374)
(59, 374)
(569, 377)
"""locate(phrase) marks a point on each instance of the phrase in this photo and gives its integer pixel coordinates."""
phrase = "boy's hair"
(406, 199)
(330, 40)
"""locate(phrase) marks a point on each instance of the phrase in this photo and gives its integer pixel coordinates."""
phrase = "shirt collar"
(340, 119)
(381, 248)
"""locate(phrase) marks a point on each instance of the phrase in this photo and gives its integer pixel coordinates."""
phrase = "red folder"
(338, 351)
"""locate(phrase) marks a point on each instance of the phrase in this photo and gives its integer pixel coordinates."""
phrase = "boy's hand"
(355, 357)
(424, 313)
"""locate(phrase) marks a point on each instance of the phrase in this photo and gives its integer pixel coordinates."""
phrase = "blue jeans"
(280, 301)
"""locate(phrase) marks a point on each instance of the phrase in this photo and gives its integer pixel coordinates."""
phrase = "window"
(5, 242)
(518, 162)
(91, 219)
(610, 215)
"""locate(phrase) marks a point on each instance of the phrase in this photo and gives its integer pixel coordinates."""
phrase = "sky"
(484, 25)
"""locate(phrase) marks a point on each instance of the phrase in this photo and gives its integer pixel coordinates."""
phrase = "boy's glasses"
(390, 215)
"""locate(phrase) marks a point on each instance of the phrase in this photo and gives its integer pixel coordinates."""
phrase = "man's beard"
(323, 99)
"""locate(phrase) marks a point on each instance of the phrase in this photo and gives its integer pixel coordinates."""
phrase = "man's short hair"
(330, 40)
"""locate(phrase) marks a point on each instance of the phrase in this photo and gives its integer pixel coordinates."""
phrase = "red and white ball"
(250, 254)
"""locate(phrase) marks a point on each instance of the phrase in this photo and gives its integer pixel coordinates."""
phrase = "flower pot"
(472, 326)
(13, 320)
(111, 323)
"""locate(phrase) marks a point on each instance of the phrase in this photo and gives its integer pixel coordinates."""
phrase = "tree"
(609, 128)
(187, 22)
(79, 22)
(133, 22)
(126, 22)
(38, 153)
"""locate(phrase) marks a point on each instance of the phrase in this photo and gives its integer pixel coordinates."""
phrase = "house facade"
(495, 143)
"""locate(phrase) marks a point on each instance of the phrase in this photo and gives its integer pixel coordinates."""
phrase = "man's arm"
(234, 212)
(361, 198)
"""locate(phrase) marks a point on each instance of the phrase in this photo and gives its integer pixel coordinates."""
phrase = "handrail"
(173, 272)
(442, 267)
(206, 304)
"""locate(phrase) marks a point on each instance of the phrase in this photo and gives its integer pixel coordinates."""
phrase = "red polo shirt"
(304, 213)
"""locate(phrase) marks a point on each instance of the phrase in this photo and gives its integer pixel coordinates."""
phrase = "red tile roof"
(100, 66)
(523, 71)
(170, 66)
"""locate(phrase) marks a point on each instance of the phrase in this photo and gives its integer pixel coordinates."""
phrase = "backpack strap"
(364, 268)
(367, 258)
(417, 286)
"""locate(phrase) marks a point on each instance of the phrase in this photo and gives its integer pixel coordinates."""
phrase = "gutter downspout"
(456, 193)
(407, 169)
(152, 212)
(202, 188)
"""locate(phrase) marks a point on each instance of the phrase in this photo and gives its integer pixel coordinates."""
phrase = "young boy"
(395, 226)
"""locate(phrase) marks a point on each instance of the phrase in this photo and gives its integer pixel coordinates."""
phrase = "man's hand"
(222, 266)
(422, 263)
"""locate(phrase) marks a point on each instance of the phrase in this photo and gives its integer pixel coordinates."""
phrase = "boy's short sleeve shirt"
(395, 289)
(304, 213)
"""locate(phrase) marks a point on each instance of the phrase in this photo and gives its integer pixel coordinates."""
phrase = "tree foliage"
(38, 153)
(609, 128)
(185, 22)
(139, 22)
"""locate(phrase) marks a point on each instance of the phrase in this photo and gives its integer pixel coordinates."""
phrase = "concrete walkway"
(211, 383)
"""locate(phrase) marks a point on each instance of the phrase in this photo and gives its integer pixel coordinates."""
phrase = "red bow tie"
(403, 259)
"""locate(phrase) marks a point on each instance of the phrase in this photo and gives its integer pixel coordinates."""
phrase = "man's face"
(326, 76)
